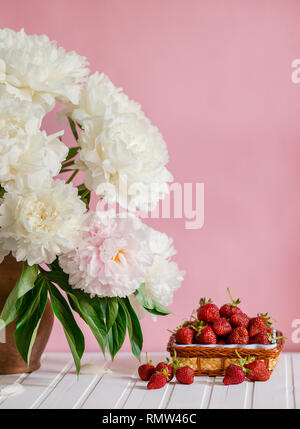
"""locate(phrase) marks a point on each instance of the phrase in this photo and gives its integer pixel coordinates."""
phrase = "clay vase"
(11, 362)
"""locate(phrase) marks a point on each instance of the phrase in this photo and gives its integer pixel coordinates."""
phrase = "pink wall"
(215, 77)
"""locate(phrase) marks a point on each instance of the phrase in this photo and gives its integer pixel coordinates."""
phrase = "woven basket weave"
(212, 361)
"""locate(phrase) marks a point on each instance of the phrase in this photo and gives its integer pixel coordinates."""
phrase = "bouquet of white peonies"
(111, 267)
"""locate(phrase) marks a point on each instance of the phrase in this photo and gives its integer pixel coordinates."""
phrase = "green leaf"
(67, 164)
(112, 307)
(117, 333)
(73, 128)
(23, 285)
(150, 304)
(134, 327)
(72, 331)
(29, 316)
(72, 176)
(84, 194)
(2, 192)
(56, 275)
(71, 154)
(89, 309)
(67, 170)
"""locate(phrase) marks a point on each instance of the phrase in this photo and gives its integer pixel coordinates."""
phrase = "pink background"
(215, 77)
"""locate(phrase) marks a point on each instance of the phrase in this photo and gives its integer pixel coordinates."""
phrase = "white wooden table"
(55, 385)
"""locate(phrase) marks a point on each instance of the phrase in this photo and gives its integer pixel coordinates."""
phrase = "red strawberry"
(157, 380)
(166, 365)
(259, 324)
(145, 371)
(206, 336)
(185, 375)
(264, 338)
(184, 336)
(208, 312)
(260, 338)
(258, 370)
(227, 310)
(239, 319)
(234, 375)
(238, 336)
(222, 327)
(221, 342)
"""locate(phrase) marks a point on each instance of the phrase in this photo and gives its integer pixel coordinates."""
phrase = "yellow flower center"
(116, 257)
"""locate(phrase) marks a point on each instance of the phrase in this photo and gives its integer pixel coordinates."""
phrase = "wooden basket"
(212, 361)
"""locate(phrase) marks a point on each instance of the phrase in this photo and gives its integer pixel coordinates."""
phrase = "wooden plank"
(295, 361)
(277, 392)
(194, 396)
(55, 385)
(40, 383)
(139, 397)
(6, 380)
(113, 389)
(235, 396)
(71, 391)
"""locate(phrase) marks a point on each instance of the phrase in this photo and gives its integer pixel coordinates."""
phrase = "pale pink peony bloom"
(112, 257)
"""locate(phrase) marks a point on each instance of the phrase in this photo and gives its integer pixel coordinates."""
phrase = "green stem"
(2, 192)
(73, 128)
(68, 163)
(72, 176)
(66, 170)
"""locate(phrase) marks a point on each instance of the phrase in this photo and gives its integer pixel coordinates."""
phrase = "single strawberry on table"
(168, 364)
(227, 310)
(259, 371)
(222, 327)
(239, 335)
(146, 370)
(236, 373)
(207, 312)
(158, 380)
(185, 375)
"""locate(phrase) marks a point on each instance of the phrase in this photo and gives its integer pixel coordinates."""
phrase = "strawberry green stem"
(233, 302)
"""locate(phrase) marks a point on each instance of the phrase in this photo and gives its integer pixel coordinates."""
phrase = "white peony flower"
(20, 113)
(116, 254)
(39, 225)
(100, 97)
(123, 156)
(34, 68)
(112, 256)
(128, 154)
(28, 160)
(163, 277)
